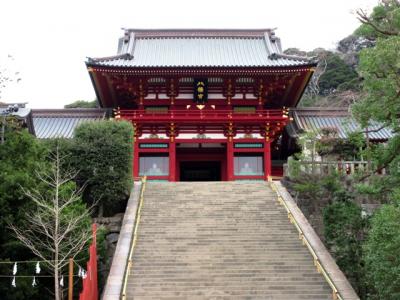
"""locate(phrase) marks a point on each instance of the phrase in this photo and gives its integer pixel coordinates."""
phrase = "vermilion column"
(267, 160)
(172, 160)
(135, 157)
(229, 159)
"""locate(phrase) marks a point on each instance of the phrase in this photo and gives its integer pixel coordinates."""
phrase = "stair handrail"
(134, 239)
(335, 293)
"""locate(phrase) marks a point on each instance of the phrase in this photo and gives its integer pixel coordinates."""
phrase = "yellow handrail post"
(134, 239)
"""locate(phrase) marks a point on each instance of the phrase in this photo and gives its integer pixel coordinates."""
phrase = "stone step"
(220, 240)
(250, 294)
(190, 279)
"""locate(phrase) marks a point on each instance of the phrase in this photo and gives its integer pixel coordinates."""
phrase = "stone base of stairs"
(220, 240)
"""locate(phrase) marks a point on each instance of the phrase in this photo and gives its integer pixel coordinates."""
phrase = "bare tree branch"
(54, 232)
(364, 19)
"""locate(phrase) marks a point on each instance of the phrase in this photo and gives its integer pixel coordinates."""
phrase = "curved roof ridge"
(198, 48)
(140, 33)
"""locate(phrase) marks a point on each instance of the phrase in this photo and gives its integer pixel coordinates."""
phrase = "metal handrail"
(335, 293)
(134, 239)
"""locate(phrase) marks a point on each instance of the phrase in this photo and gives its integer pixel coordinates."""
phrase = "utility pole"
(71, 279)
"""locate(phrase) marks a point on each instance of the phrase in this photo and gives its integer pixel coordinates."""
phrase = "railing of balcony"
(328, 167)
(277, 114)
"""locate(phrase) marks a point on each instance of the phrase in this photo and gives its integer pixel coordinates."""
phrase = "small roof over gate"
(200, 48)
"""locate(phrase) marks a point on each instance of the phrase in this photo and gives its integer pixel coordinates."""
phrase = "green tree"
(82, 104)
(380, 69)
(379, 66)
(58, 227)
(382, 253)
(20, 155)
(382, 22)
(344, 229)
(337, 75)
(102, 151)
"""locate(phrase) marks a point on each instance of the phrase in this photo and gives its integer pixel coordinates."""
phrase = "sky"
(49, 40)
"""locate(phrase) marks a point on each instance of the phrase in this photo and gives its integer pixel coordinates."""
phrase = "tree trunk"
(56, 286)
(56, 231)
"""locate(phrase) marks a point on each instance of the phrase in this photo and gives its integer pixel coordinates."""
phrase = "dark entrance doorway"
(200, 171)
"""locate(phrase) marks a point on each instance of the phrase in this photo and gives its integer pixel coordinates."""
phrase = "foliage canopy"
(102, 151)
(82, 104)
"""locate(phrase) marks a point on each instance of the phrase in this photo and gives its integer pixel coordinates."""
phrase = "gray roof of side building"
(60, 123)
(340, 119)
(200, 48)
(20, 112)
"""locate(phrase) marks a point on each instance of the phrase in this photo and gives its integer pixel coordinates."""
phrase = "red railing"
(211, 115)
(90, 288)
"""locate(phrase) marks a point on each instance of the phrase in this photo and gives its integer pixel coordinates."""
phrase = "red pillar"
(136, 157)
(172, 160)
(229, 160)
(267, 160)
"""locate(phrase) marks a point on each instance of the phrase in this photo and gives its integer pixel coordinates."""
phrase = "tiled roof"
(315, 119)
(200, 48)
(22, 113)
(60, 123)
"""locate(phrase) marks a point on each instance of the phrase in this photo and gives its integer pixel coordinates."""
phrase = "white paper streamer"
(15, 269)
(34, 282)
(81, 273)
(37, 268)
(13, 282)
(62, 281)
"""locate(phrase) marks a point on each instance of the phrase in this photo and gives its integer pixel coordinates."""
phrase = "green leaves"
(337, 75)
(383, 21)
(20, 157)
(382, 252)
(82, 104)
(380, 66)
(343, 230)
(102, 152)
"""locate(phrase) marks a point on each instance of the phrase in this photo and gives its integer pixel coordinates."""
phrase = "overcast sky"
(50, 40)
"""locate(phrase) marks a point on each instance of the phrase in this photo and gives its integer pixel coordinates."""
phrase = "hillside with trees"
(365, 245)
(336, 81)
(82, 104)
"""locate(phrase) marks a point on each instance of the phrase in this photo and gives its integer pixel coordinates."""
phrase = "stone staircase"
(219, 240)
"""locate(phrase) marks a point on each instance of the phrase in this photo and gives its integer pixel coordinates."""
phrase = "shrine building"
(204, 104)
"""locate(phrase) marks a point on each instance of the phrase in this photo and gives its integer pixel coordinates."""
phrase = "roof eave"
(94, 64)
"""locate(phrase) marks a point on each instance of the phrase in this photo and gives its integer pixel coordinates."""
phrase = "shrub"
(382, 252)
(102, 152)
(343, 231)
